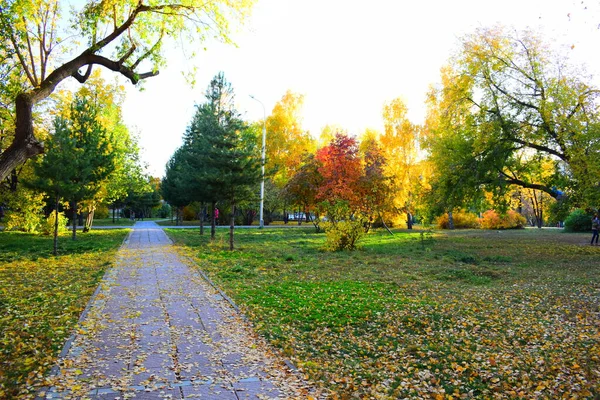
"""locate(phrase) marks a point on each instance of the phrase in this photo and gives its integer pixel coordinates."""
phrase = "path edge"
(69, 342)
(285, 360)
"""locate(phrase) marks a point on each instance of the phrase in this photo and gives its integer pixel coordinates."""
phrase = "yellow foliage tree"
(287, 141)
(400, 143)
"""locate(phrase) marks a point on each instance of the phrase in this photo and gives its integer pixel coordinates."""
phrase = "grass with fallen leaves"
(41, 298)
(464, 314)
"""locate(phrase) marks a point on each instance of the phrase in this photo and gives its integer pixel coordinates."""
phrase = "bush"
(25, 211)
(163, 211)
(101, 211)
(189, 213)
(462, 220)
(511, 220)
(48, 224)
(342, 231)
(342, 235)
(578, 221)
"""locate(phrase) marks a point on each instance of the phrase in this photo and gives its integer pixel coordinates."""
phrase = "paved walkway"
(156, 330)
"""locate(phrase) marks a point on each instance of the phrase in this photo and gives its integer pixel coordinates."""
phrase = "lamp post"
(262, 182)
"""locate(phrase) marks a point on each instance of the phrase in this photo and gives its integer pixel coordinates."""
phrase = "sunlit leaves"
(41, 298)
(467, 315)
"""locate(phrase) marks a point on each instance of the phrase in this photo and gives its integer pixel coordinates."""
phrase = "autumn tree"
(507, 100)
(303, 187)
(375, 186)
(40, 49)
(287, 141)
(340, 194)
(341, 169)
(400, 144)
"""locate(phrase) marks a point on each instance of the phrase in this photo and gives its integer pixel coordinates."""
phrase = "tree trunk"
(212, 221)
(55, 246)
(24, 145)
(450, 220)
(14, 180)
(409, 220)
(201, 218)
(385, 226)
(89, 221)
(231, 225)
(74, 208)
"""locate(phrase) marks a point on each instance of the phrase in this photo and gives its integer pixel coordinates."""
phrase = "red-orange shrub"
(511, 220)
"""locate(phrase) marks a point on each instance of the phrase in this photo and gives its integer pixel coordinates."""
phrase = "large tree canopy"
(39, 49)
(508, 105)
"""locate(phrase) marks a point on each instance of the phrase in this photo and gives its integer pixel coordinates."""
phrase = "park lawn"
(41, 298)
(463, 314)
(109, 222)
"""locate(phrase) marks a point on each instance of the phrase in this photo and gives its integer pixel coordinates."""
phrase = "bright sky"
(348, 57)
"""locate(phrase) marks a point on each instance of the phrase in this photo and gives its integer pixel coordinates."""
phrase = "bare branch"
(31, 57)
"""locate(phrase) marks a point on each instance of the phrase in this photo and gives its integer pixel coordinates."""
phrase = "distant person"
(216, 216)
(595, 225)
(286, 218)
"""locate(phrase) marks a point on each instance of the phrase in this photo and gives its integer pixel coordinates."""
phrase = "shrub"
(101, 211)
(24, 211)
(189, 213)
(342, 235)
(48, 224)
(511, 220)
(462, 220)
(342, 230)
(163, 211)
(578, 221)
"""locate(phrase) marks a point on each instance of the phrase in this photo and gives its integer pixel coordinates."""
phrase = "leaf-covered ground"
(41, 298)
(471, 314)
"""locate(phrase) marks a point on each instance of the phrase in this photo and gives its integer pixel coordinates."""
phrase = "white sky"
(347, 57)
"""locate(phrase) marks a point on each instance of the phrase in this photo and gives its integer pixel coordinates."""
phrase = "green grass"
(474, 313)
(41, 298)
(109, 222)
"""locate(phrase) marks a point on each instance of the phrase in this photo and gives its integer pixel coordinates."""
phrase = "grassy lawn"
(109, 222)
(465, 314)
(41, 298)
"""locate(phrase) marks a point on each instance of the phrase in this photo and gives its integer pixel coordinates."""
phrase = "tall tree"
(223, 157)
(506, 100)
(287, 141)
(303, 187)
(341, 169)
(39, 49)
(78, 158)
(175, 184)
(400, 144)
(375, 186)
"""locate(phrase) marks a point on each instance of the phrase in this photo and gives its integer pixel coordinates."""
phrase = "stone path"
(156, 330)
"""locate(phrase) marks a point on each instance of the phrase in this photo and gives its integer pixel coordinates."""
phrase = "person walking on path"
(156, 329)
(595, 226)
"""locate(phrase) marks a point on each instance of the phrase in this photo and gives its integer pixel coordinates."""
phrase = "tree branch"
(82, 78)
(529, 185)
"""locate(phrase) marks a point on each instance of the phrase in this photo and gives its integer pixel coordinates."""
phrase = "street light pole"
(262, 182)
